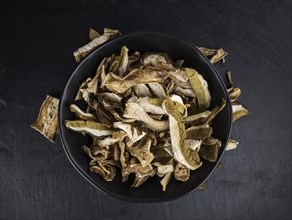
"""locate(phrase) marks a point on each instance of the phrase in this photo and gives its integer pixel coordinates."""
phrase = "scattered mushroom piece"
(93, 34)
(165, 180)
(238, 111)
(107, 35)
(232, 144)
(47, 120)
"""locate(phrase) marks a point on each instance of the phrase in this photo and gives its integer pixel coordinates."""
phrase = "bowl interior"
(151, 190)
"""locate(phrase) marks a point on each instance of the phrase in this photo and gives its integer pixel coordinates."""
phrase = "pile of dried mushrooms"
(147, 114)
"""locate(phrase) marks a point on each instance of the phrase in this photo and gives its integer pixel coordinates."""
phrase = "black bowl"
(151, 190)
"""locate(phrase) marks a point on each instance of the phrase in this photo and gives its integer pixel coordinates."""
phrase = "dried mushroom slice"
(150, 105)
(47, 120)
(238, 111)
(200, 87)
(123, 62)
(195, 117)
(142, 152)
(93, 34)
(165, 180)
(182, 153)
(216, 54)
(207, 51)
(92, 128)
(133, 133)
(231, 145)
(81, 114)
(184, 91)
(199, 132)
(107, 35)
(220, 55)
(209, 149)
(152, 58)
(141, 90)
(214, 112)
(135, 111)
(142, 173)
(181, 172)
(193, 144)
(158, 90)
(105, 168)
(120, 85)
(233, 92)
(110, 140)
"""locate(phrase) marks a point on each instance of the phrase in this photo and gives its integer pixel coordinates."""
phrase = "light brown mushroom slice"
(234, 94)
(116, 155)
(181, 173)
(200, 87)
(195, 117)
(150, 105)
(140, 173)
(152, 58)
(230, 81)
(214, 112)
(136, 76)
(108, 166)
(209, 149)
(81, 89)
(107, 35)
(90, 127)
(165, 180)
(110, 140)
(170, 87)
(104, 117)
(123, 61)
(183, 91)
(238, 111)
(141, 90)
(207, 51)
(231, 145)
(181, 151)
(81, 114)
(158, 90)
(193, 144)
(199, 132)
(156, 116)
(47, 120)
(220, 55)
(142, 153)
(111, 96)
(179, 104)
(135, 111)
(162, 169)
(133, 133)
(93, 34)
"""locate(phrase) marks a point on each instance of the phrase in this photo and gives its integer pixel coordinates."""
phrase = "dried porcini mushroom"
(47, 120)
(148, 115)
(107, 35)
(214, 54)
